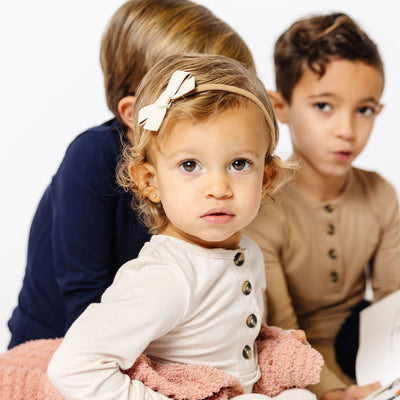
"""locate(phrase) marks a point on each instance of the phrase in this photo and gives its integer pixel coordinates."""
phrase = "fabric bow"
(153, 115)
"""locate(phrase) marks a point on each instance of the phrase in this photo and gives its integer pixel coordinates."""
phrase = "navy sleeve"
(85, 199)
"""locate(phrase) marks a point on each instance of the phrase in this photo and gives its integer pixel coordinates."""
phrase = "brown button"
(251, 321)
(247, 352)
(246, 288)
(334, 276)
(330, 230)
(332, 254)
(239, 259)
(328, 208)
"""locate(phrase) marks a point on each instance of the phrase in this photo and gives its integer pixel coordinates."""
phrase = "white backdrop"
(51, 89)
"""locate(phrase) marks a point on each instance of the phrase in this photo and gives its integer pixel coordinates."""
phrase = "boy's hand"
(299, 335)
(353, 392)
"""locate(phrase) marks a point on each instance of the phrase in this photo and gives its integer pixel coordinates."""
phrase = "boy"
(334, 219)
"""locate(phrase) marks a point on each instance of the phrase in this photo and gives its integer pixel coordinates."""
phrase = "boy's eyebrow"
(329, 94)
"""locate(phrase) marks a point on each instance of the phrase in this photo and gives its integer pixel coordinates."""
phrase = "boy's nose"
(345, 127)
(217, 186)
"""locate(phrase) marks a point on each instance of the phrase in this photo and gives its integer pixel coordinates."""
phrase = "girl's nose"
(217, 186)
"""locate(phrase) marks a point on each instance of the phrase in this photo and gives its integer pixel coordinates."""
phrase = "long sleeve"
(82, 197)
(108, 337)
(385, 264)
(86, 246)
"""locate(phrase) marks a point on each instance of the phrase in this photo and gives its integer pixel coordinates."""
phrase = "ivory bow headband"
(179, 85)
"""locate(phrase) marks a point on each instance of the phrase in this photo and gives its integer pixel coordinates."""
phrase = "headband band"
(181, 84)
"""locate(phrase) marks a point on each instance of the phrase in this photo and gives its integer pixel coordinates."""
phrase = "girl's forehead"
(233, 127)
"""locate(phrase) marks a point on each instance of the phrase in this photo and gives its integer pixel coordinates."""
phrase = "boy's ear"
(280, 106)
(380, 108)
(125, 110)
(144, 176)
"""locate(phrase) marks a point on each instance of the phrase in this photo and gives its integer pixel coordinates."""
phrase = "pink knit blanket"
(285, 363)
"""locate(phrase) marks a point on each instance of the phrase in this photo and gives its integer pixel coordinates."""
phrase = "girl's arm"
(108, 337)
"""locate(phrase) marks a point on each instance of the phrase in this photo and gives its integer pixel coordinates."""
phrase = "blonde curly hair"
(196, 106)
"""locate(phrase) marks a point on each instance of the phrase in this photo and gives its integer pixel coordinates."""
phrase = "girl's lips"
(343, 156)
(218, 216)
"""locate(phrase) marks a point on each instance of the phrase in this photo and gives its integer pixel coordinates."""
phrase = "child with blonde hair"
(335, 220)
(202, 159)
(84, 228)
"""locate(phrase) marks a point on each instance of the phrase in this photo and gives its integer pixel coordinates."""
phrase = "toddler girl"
(201, 162)
(84, 228)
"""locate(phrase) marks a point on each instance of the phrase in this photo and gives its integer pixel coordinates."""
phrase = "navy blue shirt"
(83, 230)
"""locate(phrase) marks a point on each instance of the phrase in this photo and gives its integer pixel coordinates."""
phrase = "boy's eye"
(240, 164)
(323, 106)
(189, 166)
(367, 111)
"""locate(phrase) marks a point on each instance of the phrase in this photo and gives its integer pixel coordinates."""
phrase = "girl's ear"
(145, 178)
(280, 106)
(125, 110)
(270, 174)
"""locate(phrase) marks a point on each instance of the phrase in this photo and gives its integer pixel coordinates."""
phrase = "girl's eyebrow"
(189, 151)
(193, 152)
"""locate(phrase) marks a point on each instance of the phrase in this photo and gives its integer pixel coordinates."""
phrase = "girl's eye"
(325, 107)
(240, 164)
(367, 111)
(189, 166)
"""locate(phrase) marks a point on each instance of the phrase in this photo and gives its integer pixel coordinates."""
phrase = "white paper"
(378, 357)
(389, 392)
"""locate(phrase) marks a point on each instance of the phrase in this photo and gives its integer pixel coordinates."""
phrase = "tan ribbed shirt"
(316, 253)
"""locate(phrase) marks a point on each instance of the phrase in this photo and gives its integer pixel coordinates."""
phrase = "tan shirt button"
(247, 352)
(332, 254)
(238, 259)
(251, 321)
(334, 276)
(246, 288)
(328, 208)
(330, 230)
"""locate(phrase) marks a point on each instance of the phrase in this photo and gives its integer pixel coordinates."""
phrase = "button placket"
(247, 301)
(332, 252)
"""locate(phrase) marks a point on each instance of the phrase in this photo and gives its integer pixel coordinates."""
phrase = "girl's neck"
(316, 187)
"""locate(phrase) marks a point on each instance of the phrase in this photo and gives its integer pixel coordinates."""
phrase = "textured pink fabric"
(285, 363)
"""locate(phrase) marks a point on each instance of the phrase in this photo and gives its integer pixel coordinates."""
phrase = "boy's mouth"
(343, 155)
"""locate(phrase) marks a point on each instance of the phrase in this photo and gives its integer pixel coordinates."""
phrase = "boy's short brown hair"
(313, 42)
(141, 32)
